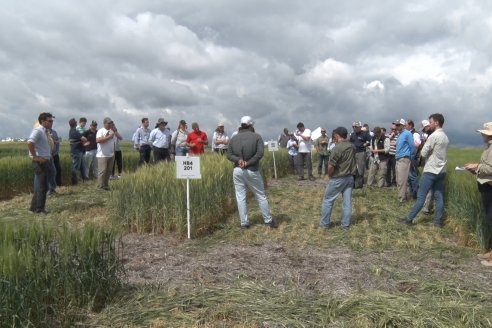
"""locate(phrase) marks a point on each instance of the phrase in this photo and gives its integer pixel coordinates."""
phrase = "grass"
(378, 274)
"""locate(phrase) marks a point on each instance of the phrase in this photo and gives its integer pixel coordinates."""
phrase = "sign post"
(273, 147)
(188, 168)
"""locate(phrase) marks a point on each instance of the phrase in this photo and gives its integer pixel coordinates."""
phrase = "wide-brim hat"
(487, 129)
(161, 120)
(400, 121)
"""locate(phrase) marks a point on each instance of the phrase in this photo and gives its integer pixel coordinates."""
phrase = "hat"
(182, 122)
(357, 124)
(247, 120)
(220, 124)
(487, 129)
(341, 131)
(425, 123)
(161, 120)
(93, 123)
(401, 121)
(107, 120)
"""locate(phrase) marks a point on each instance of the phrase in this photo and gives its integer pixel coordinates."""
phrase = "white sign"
(188, 167)
(273, 145)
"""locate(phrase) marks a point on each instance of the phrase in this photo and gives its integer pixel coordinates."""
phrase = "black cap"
(341, 131)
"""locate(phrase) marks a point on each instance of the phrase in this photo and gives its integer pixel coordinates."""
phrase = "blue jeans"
(242, 180)
(413, 179)
(52, 180)
(181, 151)
(434, 182)
(339, 185)
(323, 159)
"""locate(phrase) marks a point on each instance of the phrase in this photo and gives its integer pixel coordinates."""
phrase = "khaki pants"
(104, 166)
(402, 169)
(378, 172)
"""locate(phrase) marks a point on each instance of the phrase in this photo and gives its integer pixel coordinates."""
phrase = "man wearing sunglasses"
(40, 153)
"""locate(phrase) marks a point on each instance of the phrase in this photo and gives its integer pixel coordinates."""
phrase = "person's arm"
(204, 139)
(32, 152)
(427, 149)
(231, 155)
(102, 139)
(485, 167)
(258, 155)
(386, 145)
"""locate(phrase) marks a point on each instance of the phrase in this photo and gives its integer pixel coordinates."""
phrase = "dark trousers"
(161, 154)
(118, 161)
(56, 161)
(145, 151)
(391, 171)
(301, 159)
(323, 159)
(221, 151)
(486, 193)
(41, 182)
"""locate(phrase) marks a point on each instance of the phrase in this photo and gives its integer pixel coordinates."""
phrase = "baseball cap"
(107, 120)
(400, 121)
(247, 120)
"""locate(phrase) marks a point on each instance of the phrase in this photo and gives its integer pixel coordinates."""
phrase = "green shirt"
(322, 148)
(343, 159)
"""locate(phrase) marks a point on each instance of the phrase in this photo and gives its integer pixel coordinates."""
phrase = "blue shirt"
(405, 146)
(160, 138)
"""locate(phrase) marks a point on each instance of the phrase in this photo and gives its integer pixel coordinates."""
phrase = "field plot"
(377, 274)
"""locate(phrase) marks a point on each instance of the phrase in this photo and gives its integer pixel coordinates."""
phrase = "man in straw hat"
(483, 171)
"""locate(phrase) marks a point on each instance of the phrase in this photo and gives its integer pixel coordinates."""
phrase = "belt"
(404, 157)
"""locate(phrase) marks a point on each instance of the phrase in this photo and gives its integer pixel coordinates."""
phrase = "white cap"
(425, 123)
(247, 120)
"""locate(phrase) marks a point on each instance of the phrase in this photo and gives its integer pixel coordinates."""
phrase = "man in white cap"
(245, 151)
(405, 151)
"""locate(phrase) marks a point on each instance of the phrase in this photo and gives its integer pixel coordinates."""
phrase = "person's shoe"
(325, 227)
(345, 228)
(119, 176)
(300, 178)
(42, 212)
(312, 178)
(405, 221)
(487, 263)
(438, 225)
(52, 193)
(112, 177)
(426, 212)
(244, 227)
(272, 224)
(485, 256)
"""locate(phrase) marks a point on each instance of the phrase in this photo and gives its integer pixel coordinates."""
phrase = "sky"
(321, 62)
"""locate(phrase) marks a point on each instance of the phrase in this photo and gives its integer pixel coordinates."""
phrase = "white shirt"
(305, 146)
(105, 148)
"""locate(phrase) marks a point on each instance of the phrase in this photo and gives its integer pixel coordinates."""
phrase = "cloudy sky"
(323, 62)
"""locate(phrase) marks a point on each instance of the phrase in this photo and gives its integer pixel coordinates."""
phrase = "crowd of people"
(393, 159)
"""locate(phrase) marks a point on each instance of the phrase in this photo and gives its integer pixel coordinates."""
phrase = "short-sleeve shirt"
(305, 146)
(199, 147)
(39, 138)
(106, 148)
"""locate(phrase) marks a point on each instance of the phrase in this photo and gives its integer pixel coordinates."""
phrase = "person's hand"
(472, 167)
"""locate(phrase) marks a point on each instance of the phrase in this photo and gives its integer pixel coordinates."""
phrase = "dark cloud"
(324, 63)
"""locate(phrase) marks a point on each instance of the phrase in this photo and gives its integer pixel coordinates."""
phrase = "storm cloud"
(326, 63)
